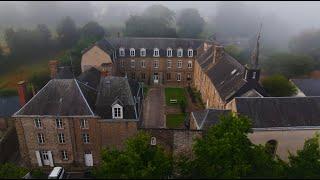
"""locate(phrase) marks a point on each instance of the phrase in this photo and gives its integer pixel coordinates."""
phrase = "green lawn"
(175, 120)
(175, 93)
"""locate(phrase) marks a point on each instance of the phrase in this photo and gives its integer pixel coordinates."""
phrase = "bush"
(278, 86)
(5, 92)
(11, 171)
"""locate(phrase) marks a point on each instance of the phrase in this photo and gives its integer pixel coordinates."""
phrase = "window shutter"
(39, 158)
(50, 158)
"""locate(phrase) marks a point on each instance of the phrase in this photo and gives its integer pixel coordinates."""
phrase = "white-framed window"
(59, 123)
(143, 64)
(179, 64)
(85, 138)
(117, 111)
(254, 75)
(169, 62)
(40, 138)
(156, 52)
(61, 138)
(189, 64)
(37, 123)
(189, 76)
(64, 155)
(132, 52)
(169, 52)
(190, 52)
(180, 52)
(156, 63)
(84, 124)
(143, 76)
(122, 62)
(133, 63)
(122, 52)
(153, 141)
(143, 52)
(178, 76)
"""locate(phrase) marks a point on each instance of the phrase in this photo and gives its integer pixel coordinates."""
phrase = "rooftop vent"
(233, 71)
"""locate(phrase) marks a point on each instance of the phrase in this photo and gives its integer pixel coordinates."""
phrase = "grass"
(175, 120)
(175, 93)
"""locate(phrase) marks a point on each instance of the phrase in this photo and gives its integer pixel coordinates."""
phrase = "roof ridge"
(83, 96)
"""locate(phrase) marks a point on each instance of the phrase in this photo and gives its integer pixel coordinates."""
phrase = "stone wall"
(94, 58)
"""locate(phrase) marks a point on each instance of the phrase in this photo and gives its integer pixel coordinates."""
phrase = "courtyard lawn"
(175, 93)
(175, 120)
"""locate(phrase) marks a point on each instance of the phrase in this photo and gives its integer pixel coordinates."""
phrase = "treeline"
(224, 151)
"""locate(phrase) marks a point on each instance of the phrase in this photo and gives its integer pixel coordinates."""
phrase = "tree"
(67, 32)
(278, 85)
(306, 164)
(44, 35)
(11, 171)
(92, 30)
(39, 79)
(161, 13)
(138, 160)
(240, 54)
(190, 23)
(290, 65)
(225, 151)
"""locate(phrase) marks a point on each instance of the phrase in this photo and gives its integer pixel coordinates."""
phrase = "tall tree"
(278, 86)
(67, 32)
(92, 30)
(190, 23)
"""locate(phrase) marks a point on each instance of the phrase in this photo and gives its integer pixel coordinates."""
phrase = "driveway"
(154, 108)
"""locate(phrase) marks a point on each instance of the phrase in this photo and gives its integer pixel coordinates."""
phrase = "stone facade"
(100, 57)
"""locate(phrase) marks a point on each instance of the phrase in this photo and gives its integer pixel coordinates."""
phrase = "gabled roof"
(59, 97)
(269, 112)
(310, 87)
(91, 77)
(8, 106)
(208, 117)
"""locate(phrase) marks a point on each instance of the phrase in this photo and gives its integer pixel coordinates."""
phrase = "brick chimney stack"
(22, 91)
(218, 52)
(53, 66)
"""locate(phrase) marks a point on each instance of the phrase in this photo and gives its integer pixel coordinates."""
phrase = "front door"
(45, 158)
(88, 160)
(155, 78)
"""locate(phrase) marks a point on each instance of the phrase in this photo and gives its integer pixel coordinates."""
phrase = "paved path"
(154, 108)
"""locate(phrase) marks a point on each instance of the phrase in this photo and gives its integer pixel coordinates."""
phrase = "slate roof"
(208, 117)
(64, 72)
(60, 97)
(251, 93)
(91, 77)
(150, 43)
(8, 106)
(310, 87)
(280, 111)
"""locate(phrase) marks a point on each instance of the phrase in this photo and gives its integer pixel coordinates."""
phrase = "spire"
(255, 54)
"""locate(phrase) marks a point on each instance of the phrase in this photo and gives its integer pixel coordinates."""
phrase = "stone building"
(70, 120)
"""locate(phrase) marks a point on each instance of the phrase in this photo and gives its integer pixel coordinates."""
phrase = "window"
(156, 52)
(121, 52)
(180, 52)
(178, 76)
(122, 62)
(156, 63)
(132, 52)
(143, 64)
(153, 141)
(271, 147)
(188, 76)
(169, 64)
(143, 76)
(168, 76)
(254, 75)
(133, 75)
(190, 53)
(179, 64)
(64, 155)
(169, 52)
(61, 138)
(143, 52)
(84, 124)
(59, 123)
(132, 63)
(189, 64)
(40, 138)
(85, 137)
(117, 112)
(37, 123)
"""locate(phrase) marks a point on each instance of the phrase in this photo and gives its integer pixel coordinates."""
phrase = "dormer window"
(180, 52)
(156, 52)
(190, 52)
(142, 52)
(121, 52)
(132, 52)
(117, 111)
(169, 52)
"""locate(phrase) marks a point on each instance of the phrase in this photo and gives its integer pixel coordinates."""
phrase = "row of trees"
(225, 151)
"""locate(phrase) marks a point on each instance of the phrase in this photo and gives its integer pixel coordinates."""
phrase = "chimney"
(53, 66)
(22, 91)
(252, 74)
(218, 52)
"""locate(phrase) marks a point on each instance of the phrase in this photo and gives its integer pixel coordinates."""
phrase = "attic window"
(180, 52)
(117, 111)
(132, 52)
(190, 53)
(121, 52)
(156, 52)
(234, 71)
(143, 52)
(169, 52)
